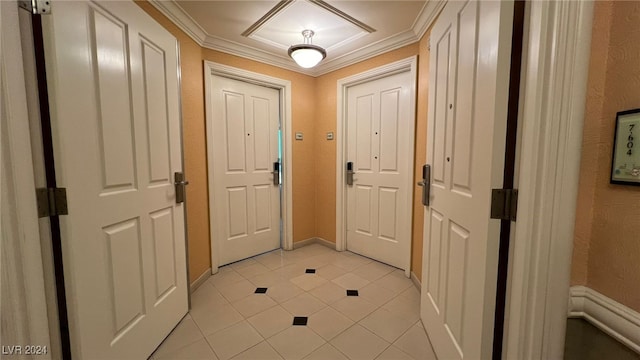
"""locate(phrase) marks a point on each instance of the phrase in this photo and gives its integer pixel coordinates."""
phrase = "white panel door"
(246, 201)
(379, 146)
(113, 86)
(468, 93)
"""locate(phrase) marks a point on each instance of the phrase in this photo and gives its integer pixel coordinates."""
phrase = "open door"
(112, 75)
(468, 97)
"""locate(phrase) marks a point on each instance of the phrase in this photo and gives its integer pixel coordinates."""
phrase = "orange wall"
(607, 240)
(590, 139)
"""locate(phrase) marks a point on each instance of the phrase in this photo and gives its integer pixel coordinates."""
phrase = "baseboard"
(314, 240)
(416, 281)
(615, 319)
(200, 280)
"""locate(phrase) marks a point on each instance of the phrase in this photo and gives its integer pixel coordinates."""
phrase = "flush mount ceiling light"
(307, 55)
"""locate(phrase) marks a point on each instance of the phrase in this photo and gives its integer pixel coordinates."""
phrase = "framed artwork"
(625, 163)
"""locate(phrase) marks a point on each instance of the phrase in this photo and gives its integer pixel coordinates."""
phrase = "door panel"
(113, 101)
(246, 203)
(262, 194)
(126, 280)
(440, 72)
(234, 125)
(469, 72)
(238, 217)
(387, 210)
(378, 143)
(113, 86)
(262, 133)
(363, 209)
(463, 122)
(364, 118)
(164, 244)
(155, 89)
(389, 120)
(435, 257)
(455, 280)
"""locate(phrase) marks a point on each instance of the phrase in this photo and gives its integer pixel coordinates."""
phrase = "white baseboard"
(314, 240)
(416, 282)
(200, 280)
(615, 319)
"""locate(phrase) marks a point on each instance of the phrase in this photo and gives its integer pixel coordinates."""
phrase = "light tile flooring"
(229, 321)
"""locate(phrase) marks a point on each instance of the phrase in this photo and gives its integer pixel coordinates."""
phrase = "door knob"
(180, 183)
(426, 184)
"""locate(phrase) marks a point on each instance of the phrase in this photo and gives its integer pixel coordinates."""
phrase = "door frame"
(284, 88)
(27, 266)
(553, 96)
(410, 65)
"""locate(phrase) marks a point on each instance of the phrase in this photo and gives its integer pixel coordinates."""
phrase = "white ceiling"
(349, 30)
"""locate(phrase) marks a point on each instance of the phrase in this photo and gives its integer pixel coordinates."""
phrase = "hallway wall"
(607, 231)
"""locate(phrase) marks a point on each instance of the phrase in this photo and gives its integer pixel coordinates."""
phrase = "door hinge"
(51, 202)
(504, 204)
(36, 7)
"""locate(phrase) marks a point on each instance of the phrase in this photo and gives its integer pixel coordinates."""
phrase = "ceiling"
(263, 30)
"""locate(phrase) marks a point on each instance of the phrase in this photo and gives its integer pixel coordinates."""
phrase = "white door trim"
(409, 64)
(284, 86)
(557, 50)
(24, 293)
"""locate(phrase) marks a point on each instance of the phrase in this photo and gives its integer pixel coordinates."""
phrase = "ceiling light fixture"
(307, 55)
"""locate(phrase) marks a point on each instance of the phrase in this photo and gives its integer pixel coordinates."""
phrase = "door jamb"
(409, 64)
(554, 97)
(284, 87)
(24, 250)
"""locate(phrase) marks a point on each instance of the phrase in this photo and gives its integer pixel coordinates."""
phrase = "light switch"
(330, 135)
(298, 136)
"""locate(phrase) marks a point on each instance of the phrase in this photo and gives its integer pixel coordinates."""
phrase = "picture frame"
(625, 159)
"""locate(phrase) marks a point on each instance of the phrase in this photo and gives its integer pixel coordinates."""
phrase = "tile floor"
(229, 320)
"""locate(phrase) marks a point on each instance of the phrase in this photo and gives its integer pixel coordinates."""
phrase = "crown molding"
(427, 16)
(181, 19)
(397, 41)
(185, 22)
(391, 43)
(248, 52)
